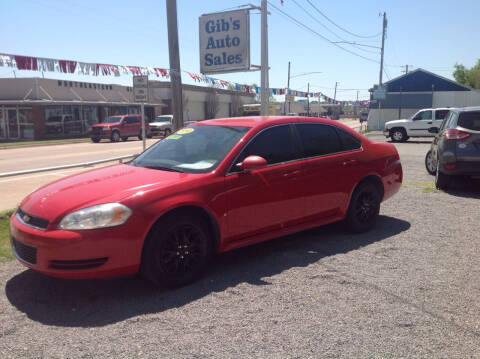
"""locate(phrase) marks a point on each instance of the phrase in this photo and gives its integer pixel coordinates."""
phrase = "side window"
(349, 142)
(423, 115)
(134, 119)
(318, 139)
(274, 144)
(440, 114)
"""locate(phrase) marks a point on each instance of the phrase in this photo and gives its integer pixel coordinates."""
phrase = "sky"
(428, 34)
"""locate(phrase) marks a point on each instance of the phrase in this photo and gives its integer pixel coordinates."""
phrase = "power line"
(334, 33)
(298, 23)
(341, 28)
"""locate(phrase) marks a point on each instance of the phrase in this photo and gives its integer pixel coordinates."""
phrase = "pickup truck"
(416, 126)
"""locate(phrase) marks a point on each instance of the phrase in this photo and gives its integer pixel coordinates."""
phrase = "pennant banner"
(95, 69)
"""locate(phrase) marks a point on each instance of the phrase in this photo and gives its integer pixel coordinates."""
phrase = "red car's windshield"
(194, 149)
(113, 119)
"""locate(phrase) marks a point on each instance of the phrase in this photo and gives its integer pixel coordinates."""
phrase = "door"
(421, 122)
(130, 126)
(266, 199)
(330, 170)
(12, 123)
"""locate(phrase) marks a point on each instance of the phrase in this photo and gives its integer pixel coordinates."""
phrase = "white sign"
(140, 88)
(380, 93)
(224, 42)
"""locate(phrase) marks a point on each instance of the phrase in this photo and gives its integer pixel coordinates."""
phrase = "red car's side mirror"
(253, 163)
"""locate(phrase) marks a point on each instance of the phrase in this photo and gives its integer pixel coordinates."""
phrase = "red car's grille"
(31, 220)
(24, 252)
(78, 264)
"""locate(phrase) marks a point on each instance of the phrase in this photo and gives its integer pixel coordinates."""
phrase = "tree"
(468, 77)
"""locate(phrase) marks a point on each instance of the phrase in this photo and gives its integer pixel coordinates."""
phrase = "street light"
(288, 87)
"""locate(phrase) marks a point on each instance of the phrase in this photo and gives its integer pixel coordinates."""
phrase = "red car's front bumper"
(78, 254)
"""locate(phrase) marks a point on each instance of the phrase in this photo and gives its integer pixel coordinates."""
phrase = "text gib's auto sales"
(224, 41)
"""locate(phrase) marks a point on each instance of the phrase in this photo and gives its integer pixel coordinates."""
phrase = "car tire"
(176, 251)
(430, 164)
(124, 138)
(115, 136)
(140, 136)
(398, 135)
(95, 139)
(167, 132)
(442, 181)
(364, 207)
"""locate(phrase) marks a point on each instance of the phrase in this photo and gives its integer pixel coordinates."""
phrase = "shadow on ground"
(464, 187)
(86, 303)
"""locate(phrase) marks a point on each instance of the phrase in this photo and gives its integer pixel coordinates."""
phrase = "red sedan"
(208, 188)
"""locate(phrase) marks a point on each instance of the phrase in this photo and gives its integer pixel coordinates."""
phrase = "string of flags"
(31, 63)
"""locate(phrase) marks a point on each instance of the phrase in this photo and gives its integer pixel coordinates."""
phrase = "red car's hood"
(103, 185)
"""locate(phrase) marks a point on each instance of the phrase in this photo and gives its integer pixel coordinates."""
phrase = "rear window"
(318, 139)
(469, 120)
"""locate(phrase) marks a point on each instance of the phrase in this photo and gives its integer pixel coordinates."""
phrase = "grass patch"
(426, 187)
(42, 142)
(5, 249)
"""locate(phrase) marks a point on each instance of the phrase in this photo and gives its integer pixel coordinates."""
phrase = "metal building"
(416, 90)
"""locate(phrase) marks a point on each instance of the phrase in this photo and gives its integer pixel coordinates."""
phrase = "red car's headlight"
(99, 216)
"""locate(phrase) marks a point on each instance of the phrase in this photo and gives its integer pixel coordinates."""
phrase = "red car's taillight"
(453, 134)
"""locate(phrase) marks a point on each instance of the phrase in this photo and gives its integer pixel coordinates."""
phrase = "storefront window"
(64, 120)
(25, 119)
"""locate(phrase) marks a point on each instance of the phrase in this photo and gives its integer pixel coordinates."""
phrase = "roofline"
(431, 73)
(66, 102)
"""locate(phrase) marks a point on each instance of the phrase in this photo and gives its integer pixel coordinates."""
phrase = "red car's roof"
(264, 121)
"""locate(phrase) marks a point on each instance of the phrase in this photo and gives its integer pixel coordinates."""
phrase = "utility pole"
(381, 61)
(335, 94)
(308, 98)
(264, 95)
(356, 107)
(288, 88)
(383, 46)
(174, 56)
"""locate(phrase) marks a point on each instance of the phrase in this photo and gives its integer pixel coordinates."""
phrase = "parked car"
(455, 151)
(208, 188)
(363, 116)
(119, 127)
(162, 125)
(416, 126)
(63, 124)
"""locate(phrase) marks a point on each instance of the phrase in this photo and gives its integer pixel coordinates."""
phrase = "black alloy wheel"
(176, 252)
(364, 207)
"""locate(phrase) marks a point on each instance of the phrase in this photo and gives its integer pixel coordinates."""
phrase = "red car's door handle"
(349, 163)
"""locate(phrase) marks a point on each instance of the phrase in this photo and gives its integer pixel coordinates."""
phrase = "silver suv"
(162, 125)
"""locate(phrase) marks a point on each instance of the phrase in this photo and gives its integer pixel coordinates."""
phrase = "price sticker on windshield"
(185, 131)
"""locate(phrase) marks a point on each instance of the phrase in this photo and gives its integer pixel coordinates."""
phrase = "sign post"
(140, 95)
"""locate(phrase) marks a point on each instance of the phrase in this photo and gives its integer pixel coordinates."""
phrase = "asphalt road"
(407, 289)
(17, 159)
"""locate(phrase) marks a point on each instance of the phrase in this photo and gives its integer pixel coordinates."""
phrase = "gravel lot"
(409, 289)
